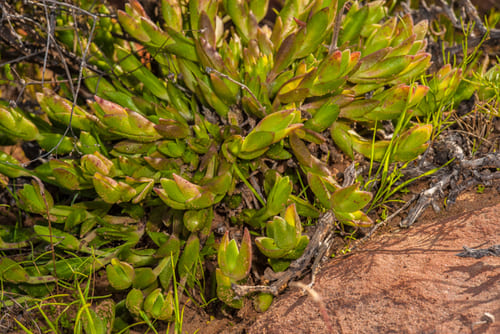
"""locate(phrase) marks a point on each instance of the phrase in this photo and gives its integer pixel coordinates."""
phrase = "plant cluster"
(208, 119)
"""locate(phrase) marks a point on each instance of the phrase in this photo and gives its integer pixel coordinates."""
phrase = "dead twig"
(319, 301)
(479, 253)
(314, 250)
(427, 198)
(464, 174)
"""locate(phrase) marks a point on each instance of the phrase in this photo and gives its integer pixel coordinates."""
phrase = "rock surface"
(406, 282)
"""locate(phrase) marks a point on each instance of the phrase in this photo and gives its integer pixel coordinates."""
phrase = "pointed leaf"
(350, 199)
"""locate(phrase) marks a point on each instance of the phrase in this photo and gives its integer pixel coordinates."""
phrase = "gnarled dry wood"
(314, 252)
(479, 253)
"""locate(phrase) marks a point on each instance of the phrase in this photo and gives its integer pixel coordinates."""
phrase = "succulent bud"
(413, 142)
(262, 301)
(123, 121)
(64, 112)
(284, 236)
(14, 123)
(144, 277)
(158, 305)
(112, 191)
(120, 274)
(347, 202)
(134, 302)
(235, 263)
(97, 163)
(196, 220)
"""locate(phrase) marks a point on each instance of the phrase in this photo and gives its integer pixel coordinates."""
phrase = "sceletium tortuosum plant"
(211, 113)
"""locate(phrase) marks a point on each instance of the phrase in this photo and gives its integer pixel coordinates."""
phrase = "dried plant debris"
(460, 175)
(479, 253)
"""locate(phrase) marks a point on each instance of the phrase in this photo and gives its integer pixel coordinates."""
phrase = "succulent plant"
(234, 266)
(13, 272)
(159, 306)
(210, 111)
(120, 274)
(101, 319)
(263, 301)
(284, 239)
(235, 263)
